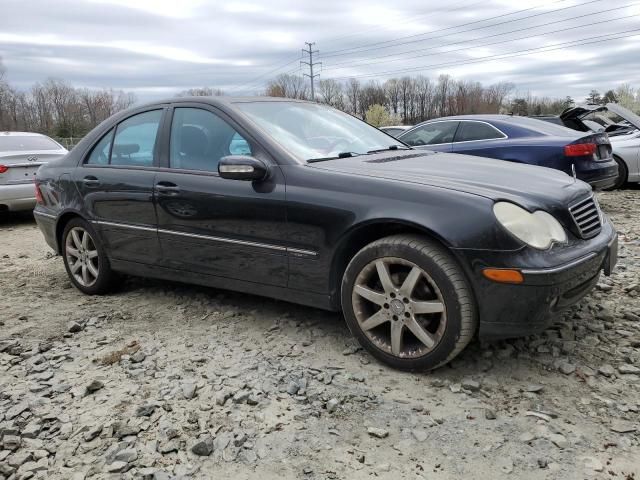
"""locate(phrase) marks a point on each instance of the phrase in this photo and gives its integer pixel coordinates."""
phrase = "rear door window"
(431, 134)
(100, 153)
(473, 131)
(135, 140)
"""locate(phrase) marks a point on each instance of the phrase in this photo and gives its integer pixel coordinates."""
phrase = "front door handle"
(91, 181)
(167, 188)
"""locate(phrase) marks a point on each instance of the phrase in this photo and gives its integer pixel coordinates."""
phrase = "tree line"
(56, 108)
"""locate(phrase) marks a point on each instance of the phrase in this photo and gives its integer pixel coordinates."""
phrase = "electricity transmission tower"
(309, 50)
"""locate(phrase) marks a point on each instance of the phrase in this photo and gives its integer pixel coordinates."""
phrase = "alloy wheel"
(399, 307)
(82, 256)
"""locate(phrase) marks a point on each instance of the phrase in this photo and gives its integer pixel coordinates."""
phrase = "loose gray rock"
(470, 384)
(203, 447)
(567, 368)
(332, 405)
(145, 410)
(627, 369)
(127, 455)
(607, 370)
(377, 432)
(92, 433)
(74, 327)
(188, 390)
(117, 466)
(94, 386)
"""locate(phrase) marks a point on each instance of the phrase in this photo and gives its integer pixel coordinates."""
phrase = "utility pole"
(309, 50)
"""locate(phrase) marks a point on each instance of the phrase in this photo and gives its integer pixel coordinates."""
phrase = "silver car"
(21, 154)
(626, 148)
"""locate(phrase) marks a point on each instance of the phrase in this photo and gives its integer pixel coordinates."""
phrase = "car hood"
(530, 186)
(627, 114)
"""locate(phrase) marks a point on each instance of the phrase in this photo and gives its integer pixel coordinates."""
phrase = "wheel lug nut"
(407, 314)
(405, 300)
(386, 305)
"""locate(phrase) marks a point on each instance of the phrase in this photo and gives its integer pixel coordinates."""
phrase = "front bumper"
(515, 310)
(17, 197)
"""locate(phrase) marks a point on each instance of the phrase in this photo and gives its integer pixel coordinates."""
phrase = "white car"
(622, 126)
(21, 153)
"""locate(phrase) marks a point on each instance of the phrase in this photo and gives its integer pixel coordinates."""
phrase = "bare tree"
(289, 86)
(353, 95)
(331, 93)
(202, 92)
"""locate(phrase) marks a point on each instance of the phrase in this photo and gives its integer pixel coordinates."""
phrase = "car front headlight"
(538, 229)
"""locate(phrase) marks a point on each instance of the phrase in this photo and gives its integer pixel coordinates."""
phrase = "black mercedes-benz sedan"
(298, 201)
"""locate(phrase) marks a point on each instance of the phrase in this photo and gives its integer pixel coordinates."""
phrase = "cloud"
(158, 47)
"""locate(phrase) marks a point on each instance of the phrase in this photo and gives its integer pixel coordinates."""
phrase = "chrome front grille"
(586, 215)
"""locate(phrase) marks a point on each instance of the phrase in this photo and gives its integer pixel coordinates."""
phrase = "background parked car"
(522, 140)
(21, 154)
(622, 126)
(395, 130)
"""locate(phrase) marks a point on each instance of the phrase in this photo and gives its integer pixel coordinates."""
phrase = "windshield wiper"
(391, 147)
(340, 155)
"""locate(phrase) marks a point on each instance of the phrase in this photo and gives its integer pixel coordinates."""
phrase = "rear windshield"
(542, 126)
(17, 143)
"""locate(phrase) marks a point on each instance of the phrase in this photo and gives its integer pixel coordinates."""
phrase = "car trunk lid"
(21, 167)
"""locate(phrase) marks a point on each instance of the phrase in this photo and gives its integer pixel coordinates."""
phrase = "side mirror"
(242, 167)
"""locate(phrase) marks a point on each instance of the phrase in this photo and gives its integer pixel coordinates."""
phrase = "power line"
(347, 51)
(339, 66)
(311, 64)
(406, 20)
(500, 56)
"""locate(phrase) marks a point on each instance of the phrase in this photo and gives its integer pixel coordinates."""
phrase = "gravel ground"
(162, 380)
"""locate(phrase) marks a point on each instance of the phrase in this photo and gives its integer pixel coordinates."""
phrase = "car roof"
(223, 100)
(21, 134)
(478, 117)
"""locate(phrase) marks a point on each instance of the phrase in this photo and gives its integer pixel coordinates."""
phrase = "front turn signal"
(503, 275)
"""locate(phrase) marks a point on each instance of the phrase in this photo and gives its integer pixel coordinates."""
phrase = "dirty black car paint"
(291, 235)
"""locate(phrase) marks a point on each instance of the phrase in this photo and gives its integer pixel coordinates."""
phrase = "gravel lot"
(162, 380)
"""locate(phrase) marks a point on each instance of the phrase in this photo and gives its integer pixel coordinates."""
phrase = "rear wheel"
(623, 173)
(408, 303)
(84, 258)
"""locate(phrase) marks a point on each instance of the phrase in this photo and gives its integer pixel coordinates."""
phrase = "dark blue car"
(522, 140)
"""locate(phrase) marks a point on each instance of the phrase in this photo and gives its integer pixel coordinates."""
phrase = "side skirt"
(280, 293)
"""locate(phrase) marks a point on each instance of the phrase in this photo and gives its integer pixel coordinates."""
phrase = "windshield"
(311, 131)
(25, 143)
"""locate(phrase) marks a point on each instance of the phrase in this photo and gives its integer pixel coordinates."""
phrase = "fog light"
(503, 275)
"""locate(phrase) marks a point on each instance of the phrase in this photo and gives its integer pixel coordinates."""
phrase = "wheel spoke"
(92, 269)
(74, 268)
(428, 306)
(85, 274)
(385, 277)
(372, 296)
(420, 333)
(73, 252)
(76, 238)
(85, 240)
(410, 282)
(92, 254)
(397, 330)
(374, 320)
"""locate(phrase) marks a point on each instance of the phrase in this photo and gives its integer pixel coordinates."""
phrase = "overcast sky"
(156, 48)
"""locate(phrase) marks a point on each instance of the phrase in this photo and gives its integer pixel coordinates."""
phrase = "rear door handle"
(91, 181)
(167, 188)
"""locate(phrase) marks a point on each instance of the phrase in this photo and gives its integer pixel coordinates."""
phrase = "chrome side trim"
(279, 248)
(46, 215)
(560, 268)
(224, 240)
(297, 251)
(124, 225)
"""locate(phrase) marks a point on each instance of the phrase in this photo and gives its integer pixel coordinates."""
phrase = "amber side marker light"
(503, 275)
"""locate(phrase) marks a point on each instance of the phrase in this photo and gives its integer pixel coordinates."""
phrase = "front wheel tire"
(84, 258)
(408, 303)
